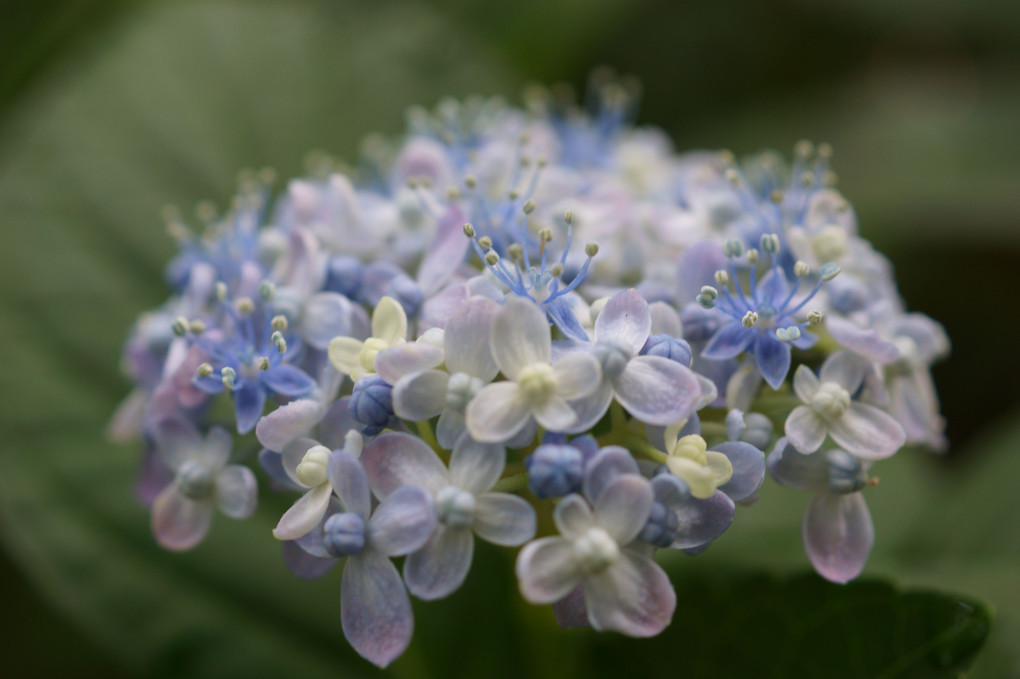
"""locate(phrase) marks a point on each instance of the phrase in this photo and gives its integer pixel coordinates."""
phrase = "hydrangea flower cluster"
(541, 328)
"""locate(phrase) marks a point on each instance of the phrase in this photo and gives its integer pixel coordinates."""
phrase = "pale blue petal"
(795, 470)
(657, 390)
(287, 380)
(402, 522)
(563, 316)
(729, 341)
(773, 358)
(440, 567)
(748, 469)
(374, 608)
(605, 467)
(249, 401)
(349, 481)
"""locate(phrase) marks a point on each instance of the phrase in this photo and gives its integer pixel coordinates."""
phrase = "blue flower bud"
(344, 275)
(554, 470)
(371, 402)
(344, 534)
(407, 292)
(669, 347)
(661, 528)
(846, 475)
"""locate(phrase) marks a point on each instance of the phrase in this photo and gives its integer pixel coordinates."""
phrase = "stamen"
(263, 363)
(733, 248)
(279, 323)
(750, 319)
(197, 326)
(708, 296)
(279, 342)
(722, 279)
(180, 326)
(801, 269)
(815, 317)
(228, 376)
(244, 306)
(528, 207)
(469, 231)
(829, 271)
(591, 249)
(770, 243)
(204, 370)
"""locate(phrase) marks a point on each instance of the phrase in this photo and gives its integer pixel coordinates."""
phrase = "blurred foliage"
(108, 110)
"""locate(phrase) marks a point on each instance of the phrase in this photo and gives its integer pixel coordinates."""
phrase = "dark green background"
(108, 110)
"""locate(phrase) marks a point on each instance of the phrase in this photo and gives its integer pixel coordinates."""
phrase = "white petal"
(625, 319)
(590, 409)
(405, 359)
(838, 535)
(555, 414)
(395, 460)
(178, 522)
(449, 428)
(440, 567)
(805, 430)
(236, 491)
(475, 467)
(497, 412)
(343, 354)
(622, 509)
(805, 384)
(466, 340)
(519, 337)
(657, 390)
(286, 423)
(578, 375)
(867, 432)
(304, 514)
(547, 570)
(504, 519)
(846, 369)
(633, 596)
(389, 322)
(573, 516)
(420, 396)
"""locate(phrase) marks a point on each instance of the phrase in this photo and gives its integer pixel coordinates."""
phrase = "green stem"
(429, 437)
(515, 483)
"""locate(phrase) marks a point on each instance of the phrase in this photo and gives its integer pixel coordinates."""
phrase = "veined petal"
(805, 430)
(304, 514)
(475, 467)
(547, 570)
(440, 567)
(805, 384)
(608, 464)
(375, 608)
(656, 390)
(449, 428)
(573, 516)
(845, 369)
(287, 380)
(420, 396)
(519, 337)
(236, 491)
(867, 432)
(633, 596)
(578, 374)
(343, 354)
(179, 523)
(838, 535)
(555, 414)
(497, 413)
(590, 409)
(466, 340)
(623, 507)
(562, 314)
(504, 519)
(395, 460)
(402, 522)
(748, 469)
(350, 482)
(773, 358)
(729, 341)
(625, 319)
(249, 401)
(406, 359)
(389, 322)
(286, 423)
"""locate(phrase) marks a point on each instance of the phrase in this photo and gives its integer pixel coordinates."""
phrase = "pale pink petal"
(395, 460)
(440, 567)
(179, 523)
(867, 432)
(374, 608)
(633, 596)
(838, 535)
(805, 430)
